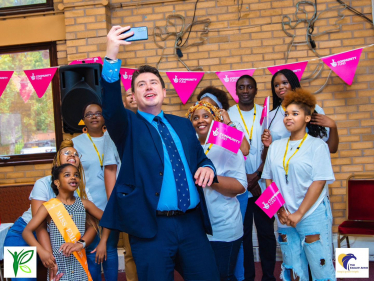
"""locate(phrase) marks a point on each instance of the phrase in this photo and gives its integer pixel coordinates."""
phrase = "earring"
(104, 129)
(84, 130)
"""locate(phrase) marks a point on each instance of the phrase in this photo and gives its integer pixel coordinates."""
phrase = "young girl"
(65, 181)
(300, 165)
(223, 206)
(323, 127)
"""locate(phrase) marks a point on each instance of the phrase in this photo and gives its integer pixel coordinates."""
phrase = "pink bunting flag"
(270, 200)
(4, 80)
(225, 136)
(88, 60)
(344, 65)
(265, 114)
(298, 68)
(126, 77)
(185, 83)
(229, 78)
(40, 79)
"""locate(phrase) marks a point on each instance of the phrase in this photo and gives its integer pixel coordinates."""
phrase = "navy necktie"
(181, 183)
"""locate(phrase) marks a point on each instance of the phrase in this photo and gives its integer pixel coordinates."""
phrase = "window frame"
(38, 158)
(27, 9)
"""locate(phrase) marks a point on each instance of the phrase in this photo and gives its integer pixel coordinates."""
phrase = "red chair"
(360, 208)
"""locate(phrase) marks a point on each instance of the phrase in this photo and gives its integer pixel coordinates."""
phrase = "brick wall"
(254, 41)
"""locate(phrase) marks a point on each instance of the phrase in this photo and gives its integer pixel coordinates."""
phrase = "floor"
(177, 277)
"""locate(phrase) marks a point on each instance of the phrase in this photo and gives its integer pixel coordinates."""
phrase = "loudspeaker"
(79, 85)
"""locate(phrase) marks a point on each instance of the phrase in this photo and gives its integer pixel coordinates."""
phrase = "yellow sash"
(67, 228)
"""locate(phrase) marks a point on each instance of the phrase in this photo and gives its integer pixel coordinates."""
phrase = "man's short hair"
(146, 69)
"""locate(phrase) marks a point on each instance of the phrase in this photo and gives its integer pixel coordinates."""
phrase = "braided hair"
(56, 171)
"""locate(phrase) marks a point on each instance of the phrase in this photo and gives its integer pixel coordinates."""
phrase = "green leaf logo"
(20, 259)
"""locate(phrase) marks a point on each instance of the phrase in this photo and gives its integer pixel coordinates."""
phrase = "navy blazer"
(133, 203)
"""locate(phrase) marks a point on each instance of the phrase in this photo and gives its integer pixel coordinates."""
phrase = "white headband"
(213, 97)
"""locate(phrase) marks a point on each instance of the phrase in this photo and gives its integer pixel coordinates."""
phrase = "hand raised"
(115, 39)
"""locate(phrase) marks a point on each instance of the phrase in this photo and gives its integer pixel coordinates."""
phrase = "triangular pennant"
(88, 60)
(126, 77)
(229, 78)
(4, 80)
(185, 83)
(298, 68)
(344, 65)
(40, 79)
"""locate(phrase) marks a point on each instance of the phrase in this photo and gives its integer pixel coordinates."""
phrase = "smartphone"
(140, 33)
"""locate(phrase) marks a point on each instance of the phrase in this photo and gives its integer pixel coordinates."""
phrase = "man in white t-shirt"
(248, 114)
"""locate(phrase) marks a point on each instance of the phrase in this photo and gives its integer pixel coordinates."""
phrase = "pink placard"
(185, 83)
(126, 77)
(270, 200)
(88, 60)
(4, 80)
(40, 79)
(344, 65)
(229, 78)
(265, 113)
(298, 68)
(225, 136)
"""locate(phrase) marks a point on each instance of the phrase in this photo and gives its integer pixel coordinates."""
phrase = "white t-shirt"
(279, 131)
(224, 212)
(94, 174)
(111, 156)
(42, 191)
(311, 163)
(254, 158)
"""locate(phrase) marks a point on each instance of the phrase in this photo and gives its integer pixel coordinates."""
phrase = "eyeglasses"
(68, 153)
(90, 115)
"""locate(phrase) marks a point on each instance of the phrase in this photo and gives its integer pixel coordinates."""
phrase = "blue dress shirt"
(110, 71)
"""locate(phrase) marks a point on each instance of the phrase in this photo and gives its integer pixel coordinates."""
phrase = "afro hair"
(303, 98)
(218, 93)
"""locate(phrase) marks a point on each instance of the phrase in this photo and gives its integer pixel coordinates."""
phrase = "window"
(30, 127)
(11, 7)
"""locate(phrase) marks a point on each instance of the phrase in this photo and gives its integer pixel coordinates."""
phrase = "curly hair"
(218, 93)
(213, 110)
(145, 69)
(307, 103)
(292, 79)
(56, 171)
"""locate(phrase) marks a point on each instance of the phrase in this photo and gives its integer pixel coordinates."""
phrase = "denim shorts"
(297, 253)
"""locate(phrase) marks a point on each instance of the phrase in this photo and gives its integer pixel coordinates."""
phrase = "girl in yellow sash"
(66, 216)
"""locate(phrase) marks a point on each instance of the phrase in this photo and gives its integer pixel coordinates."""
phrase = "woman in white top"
(223, 206)
(283, 82)
(300, 165)
(91, 146)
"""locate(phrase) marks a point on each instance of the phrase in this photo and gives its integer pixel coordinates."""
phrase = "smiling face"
(201, 120)
(295, 118)
(69, 155)
(281, 86)
(149, 93)
(68, 179)
(93, 122)
(129, 101)
(246, 91)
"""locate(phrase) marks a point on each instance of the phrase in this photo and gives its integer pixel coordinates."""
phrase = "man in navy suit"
(158, 198)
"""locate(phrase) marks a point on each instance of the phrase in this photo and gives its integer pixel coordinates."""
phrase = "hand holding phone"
(140, 34)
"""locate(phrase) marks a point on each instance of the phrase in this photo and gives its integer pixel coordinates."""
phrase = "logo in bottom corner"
(20, 262)
(352, 262)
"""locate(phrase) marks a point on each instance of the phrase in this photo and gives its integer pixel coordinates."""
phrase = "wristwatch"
(110, 60)
(231, 124)
(81, 241)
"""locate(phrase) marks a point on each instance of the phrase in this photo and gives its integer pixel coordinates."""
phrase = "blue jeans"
(14, 238)
(297, 253)
(239, 269)
(226, 254)
(110, 265)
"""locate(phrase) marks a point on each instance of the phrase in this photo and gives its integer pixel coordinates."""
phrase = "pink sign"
(88, 60)
(185, 83)
(4, 80)
(298, 68)
(270, 200)
(229, 78)
(40, 79)
(225, 136)
(344, 65)
(265, 113)
(126, 77)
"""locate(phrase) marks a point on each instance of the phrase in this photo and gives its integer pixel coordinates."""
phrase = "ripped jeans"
(297, 253)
